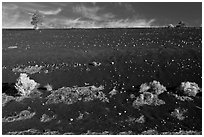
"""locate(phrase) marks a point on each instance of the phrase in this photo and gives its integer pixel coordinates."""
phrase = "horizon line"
(103, 27)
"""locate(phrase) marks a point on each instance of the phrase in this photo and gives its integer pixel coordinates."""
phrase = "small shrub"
(113, 92)
(190, 88)
(6, 99)
(48, 87)
(144, 87)
(23, 115)
(179, 113)
(147, 98)
(25, 85)
(69, 95)
(46, 118)
(28, 70)
(141, 119)
(155, 87)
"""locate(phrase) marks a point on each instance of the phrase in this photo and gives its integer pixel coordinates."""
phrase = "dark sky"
(98, 14)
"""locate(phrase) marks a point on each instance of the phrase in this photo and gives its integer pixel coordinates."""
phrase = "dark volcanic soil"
(121, 58)
(138, 55)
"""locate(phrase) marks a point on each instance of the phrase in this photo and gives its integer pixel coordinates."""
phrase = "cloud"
(9, 6)
(92, 13)
(87, 12)
(126, 6)
(30, 10)
(129, 8)
(80, 23)
(68, 23)
(13, 17)
(130, 23)
(51, 12)
(77, 16)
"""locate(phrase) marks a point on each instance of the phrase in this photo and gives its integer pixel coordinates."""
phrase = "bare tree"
(37, 19)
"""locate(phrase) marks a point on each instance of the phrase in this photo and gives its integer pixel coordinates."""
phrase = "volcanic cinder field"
(102, 81)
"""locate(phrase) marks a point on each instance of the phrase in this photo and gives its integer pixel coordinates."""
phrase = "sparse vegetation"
(182, 98)
(28, 70)
(47, 118)
(147, 98)
(118, 59)
(190, 88)
(113, 92)
(6, 99)
(149, 95)
(155, 87)
(23, 115)
(48, 87)
(69, 95)
(148, 132)
(25, 85)
(179, 113)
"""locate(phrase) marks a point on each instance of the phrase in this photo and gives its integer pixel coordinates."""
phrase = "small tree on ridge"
(37, 19)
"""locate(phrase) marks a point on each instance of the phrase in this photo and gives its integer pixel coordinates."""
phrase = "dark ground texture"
(128, 57)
